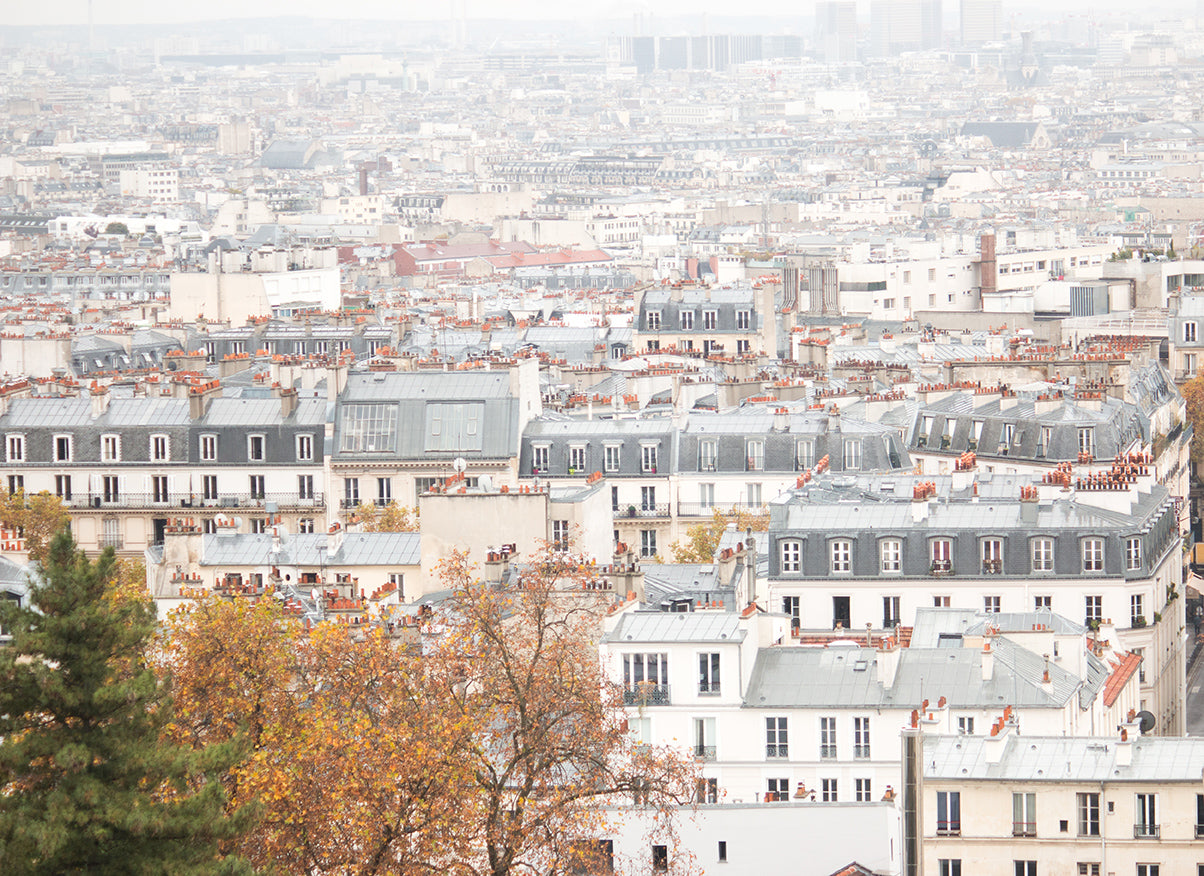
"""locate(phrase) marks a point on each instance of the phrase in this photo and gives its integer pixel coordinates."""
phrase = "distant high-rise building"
(904, 26)
(836, 30)
(981, 21)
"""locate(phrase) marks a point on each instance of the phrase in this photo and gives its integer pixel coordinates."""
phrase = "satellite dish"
(459, 464)
(1146, 721)
(238, 522)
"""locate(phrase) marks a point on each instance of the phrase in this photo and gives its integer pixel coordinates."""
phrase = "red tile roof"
(1122, 671)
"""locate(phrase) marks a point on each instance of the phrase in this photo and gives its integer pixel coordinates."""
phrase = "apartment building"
(846, 552)
(736, 322)
(1009, 804)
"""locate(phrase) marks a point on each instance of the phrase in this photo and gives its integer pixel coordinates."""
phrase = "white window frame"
(1133, 556)
(649, 458)
(708, 454)
(852, 454)
(890, 556)
(612, 456)
(840, 555)
(70, 439)
(756, 455)
(686, 320)
(578, 457)
(110, 447)
(14, 446)
(540, 458)
(305, 447)
(791, 552)
(263, 447)
(1041, 552)
(1092, 550)
(207, 447)
(151, 448)
(654, 320)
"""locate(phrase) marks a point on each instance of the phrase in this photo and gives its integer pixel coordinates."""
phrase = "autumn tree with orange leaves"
(494, 749)
(549, 749)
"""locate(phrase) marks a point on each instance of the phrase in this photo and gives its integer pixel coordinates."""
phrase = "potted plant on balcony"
(631, 510)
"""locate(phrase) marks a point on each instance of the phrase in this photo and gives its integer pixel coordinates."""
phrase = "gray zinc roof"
(659, 626)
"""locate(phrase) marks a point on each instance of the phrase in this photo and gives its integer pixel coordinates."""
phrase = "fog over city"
(631, 438)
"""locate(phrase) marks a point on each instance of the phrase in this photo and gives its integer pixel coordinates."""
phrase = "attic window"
(369, 428)
(454, 426)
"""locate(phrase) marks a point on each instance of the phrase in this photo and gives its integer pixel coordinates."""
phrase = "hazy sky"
(20, 12)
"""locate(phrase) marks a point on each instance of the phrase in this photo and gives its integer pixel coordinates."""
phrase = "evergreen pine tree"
(88, 781)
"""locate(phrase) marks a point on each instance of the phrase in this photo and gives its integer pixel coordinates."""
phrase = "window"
(1146, 821)
(384, 491)
(257, 486)
(1024, 814)
(1088, 869)
(687, 320)
(707, 455)
(110, 532)
(647, 498)
(708, 674)
(1094, 610)
(804, 454)
(992, 556)
(1133, 553)
(539, 458)
(940, 601)
(255, 448)
(1024, 868)
(827, 738)
(16, 483)
(706, 495)
(1007, 435)
(641, 730)
(660, 858)
(577, 459)
(305, 524)
(722, 851)
(305, 448)
(742, 321)
(890, 612)
(160, 448)
(610, 457)
(1147, 870)
(110, 448)
(16, 448)
(990, 604)
(1189, 332)
(890, 556)
(965, 725)
(828, 790)
(792, 555)
(208, 447)
(208, 486)
(791, 608)
(1043, 602)
(948, 812)
(709, 320)
(1136, 610)
(646, 678)
(753, 492)
(62, 448)
(259, 525)
(949, 867)
(1088, 806)
(842, 555)
(861, 738)
(1042, 549)
(648, 454)
(776, 741)
(852, 453)
(62, 487)
(756, 455)
(158, 484)
(704, 739)
(351, 492)
(862, 791)
(941, 550)
(647, 542)
(560, 535)
(707, 791)
(777, 790)
(653, 318)
(111, 488)
(305, 486)
(1093, 555)
(1087, 440)
(372, 428)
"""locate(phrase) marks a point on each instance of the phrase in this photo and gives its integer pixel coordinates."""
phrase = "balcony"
(1200, 831)
(949, 828)
(646, 693)
(169, 501)
(1146, 831)
(708, 688)
(704, 752)
(992, 567)
(827, 752)
(1024, 828)
(707, 510)
(941, 568)
(113, 541)
(861, 752)
(777, 751)
(646, 510)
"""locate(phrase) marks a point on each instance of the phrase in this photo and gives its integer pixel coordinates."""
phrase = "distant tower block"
(836, 31)
(981, 21)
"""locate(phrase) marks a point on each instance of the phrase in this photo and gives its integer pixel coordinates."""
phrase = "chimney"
(288, 402)
(336, 380)
(781, 420)
(100, 400)
(1046, 679)
(988, 662)
(199, 398)
(996, 743)
(1124, 748)
(334, 540)
(888, 663)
